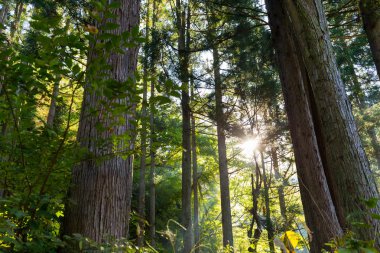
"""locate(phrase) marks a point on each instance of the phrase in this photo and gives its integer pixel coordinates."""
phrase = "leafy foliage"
(44, 47)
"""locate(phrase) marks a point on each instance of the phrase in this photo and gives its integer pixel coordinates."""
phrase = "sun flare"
(249, 146)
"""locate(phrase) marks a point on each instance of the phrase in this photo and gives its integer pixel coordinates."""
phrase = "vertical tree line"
(220, 126)
(330, 113)
(100, 196)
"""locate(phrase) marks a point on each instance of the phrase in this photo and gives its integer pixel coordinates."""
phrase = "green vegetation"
(176, 126)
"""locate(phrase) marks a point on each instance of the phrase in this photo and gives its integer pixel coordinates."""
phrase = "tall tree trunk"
(152, 174)
(152, 186)
(102, 183)
(344, 160)
(370, 11)
(269, 223)
(186, 170)
(3, 16)
(183, 54)
(53, 105)
(319, 209)
(195, 180)
(141, 198)
(4, 12)
(19, 9)
(222, 154)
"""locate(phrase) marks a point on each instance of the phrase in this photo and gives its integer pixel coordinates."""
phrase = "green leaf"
(368, 250)
(107, 36)
(343, 250)
(54, 61)
(375, 216)
(80, 244)
(175, 94)
(135, 31)
(98, 5)
(110, 26)
(162, 100)
(371, 203)
(76, 69)
(114, 5)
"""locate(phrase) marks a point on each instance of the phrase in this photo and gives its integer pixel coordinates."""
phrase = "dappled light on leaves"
(185, 126)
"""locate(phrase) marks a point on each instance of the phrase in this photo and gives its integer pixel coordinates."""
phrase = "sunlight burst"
(249, 146)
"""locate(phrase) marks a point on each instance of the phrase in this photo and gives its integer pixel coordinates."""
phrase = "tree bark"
(100, 196)
(344, 160)
(3, 18)
(152, 186)
(183, 55)
(222, 154)
(195, 181)
(370, 11)
(19, 10)
(319, 209)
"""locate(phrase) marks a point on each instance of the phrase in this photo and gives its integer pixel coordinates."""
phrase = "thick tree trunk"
(100, 196)
(319, 209)
(222, 154)
(370, 11)
(195, 182)
(344, 160)
(53, 105)
(183, 55)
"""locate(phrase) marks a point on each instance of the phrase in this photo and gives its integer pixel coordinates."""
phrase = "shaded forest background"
(189, 126)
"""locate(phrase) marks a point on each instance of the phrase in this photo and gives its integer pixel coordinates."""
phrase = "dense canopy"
(189, 126)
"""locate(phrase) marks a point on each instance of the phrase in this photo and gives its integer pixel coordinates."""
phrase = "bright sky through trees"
(249, 146)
